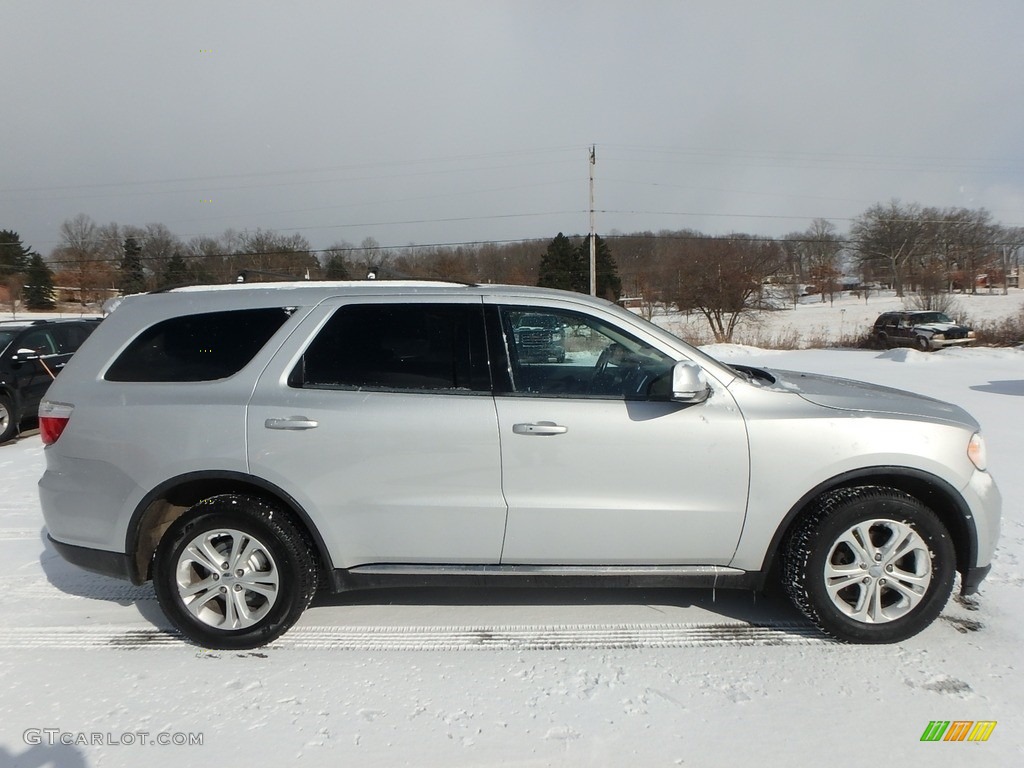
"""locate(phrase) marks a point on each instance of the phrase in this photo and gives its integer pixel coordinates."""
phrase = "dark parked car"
(924, 330)
(539, 339)
(32, 353)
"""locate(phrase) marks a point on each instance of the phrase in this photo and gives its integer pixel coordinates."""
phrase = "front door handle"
(539, 428)
(292, 423)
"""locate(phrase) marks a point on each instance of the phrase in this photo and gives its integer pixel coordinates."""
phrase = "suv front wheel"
(233, 573)
(870, 565)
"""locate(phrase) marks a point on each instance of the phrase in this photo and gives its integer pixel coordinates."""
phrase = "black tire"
(876, 598)
(922, 343)
(8, 420)
(881, 341)
(261, 595)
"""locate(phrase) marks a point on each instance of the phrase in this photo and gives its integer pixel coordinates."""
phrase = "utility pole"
(593, 234)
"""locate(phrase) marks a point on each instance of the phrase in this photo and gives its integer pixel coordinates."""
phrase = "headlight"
(976, 451)
(939, 336)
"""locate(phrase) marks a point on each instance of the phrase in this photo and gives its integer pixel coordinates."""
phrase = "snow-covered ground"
(516, 677)
(815, 323)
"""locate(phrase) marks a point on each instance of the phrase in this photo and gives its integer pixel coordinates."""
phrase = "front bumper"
(943, 343)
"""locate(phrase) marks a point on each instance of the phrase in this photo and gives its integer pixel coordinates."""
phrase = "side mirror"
(24, 355)
(688, 384)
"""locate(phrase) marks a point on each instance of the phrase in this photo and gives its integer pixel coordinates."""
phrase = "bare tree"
(823, 248)
(1011, 243)
(82, 259)
(14, 285)
(723, 279)
(280, 255)
(892, 235)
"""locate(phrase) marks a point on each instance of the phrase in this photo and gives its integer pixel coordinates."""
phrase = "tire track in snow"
(18, 534)
(467, 638)
(76, 587)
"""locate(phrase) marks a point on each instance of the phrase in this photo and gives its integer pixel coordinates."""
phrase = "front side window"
(41, 342)
(204, 347)
(560, 353)
(398, 347)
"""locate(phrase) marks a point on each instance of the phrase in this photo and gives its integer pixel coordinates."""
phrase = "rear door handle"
(539, 428)
(292, 423)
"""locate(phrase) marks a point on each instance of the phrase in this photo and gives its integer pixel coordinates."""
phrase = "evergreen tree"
(562, 267)
(132, 278)
(609, 284)
(38, 289)
(175, 272)
(14, 257)
(336, 269)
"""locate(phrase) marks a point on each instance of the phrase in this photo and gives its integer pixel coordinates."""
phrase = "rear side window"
(203, 347)
(70, 337)
(397, 347)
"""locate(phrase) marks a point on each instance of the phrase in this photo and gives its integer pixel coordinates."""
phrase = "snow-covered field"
(515, 677)
(813, 322)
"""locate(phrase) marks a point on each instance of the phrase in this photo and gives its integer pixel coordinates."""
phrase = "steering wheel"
(605, 358)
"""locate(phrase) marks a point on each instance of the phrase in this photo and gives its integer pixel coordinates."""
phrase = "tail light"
(53, 418)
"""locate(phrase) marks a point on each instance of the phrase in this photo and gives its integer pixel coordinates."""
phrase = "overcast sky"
(443, 122)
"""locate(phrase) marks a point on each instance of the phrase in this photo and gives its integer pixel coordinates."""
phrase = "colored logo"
(958, 730)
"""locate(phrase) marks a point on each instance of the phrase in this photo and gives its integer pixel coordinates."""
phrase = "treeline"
(96, 258)
(905, 246)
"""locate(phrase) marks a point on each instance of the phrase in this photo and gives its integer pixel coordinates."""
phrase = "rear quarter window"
(202, 347)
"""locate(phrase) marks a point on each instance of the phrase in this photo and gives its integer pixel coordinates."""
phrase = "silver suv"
(247, 445)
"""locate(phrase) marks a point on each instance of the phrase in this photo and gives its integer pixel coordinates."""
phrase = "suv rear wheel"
(870, 565)
(8, 423)
(233, 573)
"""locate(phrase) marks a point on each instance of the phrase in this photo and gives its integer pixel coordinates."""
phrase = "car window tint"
(70, 337)
(425, 347)
(202, 347)
(556, 353)
(41, 342)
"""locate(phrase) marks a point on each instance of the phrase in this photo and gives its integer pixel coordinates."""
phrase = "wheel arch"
(934, 492)
(9, 395)
(12, 396)
(172, 498)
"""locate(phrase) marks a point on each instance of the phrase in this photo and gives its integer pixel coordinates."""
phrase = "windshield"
(694, 354)
(5, 338)
(931, 317)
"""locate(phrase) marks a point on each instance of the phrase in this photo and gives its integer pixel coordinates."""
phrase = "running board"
(394, 575)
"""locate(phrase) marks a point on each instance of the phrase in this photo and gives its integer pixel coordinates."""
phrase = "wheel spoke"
(864, 597)
(837, 583)
(241, 608)
(203, 554)
(236, 546)
(858, 541)
(876, 613)
(266, 588)
(906, 540)
(912, 595)
(196, 606)
(921, 580)
(189, 590)
(230, 611)
(242, 560)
